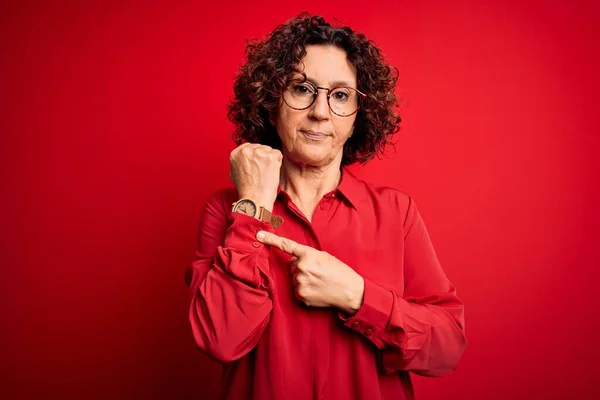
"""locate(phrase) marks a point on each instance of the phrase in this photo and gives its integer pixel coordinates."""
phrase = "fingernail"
(260, 235)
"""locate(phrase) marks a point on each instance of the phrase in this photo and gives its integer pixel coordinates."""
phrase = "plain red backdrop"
(114, 133)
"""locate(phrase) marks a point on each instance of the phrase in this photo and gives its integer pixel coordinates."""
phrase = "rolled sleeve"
(241, 234)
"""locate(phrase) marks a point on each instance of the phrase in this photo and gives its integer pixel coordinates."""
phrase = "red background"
(114, 133)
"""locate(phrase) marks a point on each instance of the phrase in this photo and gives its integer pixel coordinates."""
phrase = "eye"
(340, 94)
(302, 89)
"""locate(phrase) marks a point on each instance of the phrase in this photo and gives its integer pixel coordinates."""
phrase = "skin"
(306, 169)
(311, 168)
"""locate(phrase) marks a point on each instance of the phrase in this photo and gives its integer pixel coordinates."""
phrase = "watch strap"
(262, 214)
(266, 216)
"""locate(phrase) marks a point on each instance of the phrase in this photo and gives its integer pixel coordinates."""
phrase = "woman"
(310, 283)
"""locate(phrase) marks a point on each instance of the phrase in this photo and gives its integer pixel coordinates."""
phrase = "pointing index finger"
(284, 244)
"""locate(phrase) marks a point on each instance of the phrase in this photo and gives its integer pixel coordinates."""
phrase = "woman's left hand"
(319, 279)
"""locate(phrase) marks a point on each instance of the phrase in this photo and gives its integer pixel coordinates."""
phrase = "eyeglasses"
(342, 101)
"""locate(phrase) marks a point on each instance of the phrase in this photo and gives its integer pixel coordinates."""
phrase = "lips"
(314, 135)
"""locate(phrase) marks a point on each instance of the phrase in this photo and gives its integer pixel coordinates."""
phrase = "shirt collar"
(350, 187)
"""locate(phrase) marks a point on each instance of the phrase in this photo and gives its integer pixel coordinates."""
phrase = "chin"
(313, 158)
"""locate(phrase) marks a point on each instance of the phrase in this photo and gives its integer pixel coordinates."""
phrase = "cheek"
(286, 124)
(344, 129)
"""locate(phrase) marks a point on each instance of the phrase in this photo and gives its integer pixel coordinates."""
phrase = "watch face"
(247, 207)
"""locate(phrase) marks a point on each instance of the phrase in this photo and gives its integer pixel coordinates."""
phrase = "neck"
(307, 184)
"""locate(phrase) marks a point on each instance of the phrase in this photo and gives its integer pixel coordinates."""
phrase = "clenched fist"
(255, 172)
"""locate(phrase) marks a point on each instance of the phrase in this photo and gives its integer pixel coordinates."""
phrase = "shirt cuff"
(241, 234)
(372, 317)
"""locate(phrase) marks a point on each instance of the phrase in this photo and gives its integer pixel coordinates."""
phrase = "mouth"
(313, 135)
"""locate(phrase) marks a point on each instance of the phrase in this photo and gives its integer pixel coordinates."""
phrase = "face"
(316, 136)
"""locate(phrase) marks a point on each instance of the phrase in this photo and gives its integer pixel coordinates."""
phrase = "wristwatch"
(249, 207)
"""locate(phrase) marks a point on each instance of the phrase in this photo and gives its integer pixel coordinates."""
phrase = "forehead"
(324, 64)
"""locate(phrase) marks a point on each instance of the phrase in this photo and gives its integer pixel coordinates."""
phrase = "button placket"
(326, 202)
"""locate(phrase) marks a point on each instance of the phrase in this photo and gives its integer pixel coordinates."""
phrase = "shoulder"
(388, 194)
(387, 199)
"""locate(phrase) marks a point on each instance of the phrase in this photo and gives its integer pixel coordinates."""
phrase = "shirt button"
(355, 324)
(323, 207)
(256, 244)
(368, 332)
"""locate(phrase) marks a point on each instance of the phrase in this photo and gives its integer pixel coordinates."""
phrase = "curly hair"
(270, 62)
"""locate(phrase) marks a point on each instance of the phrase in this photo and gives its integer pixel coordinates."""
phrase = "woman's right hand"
(255, 172)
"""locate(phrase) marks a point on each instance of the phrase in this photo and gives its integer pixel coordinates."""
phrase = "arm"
(231, 285)
(423, 331)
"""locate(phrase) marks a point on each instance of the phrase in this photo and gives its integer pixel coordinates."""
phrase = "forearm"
(231, 292)
(228, 316)
(426, 338)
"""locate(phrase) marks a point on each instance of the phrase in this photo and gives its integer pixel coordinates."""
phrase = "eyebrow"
(342, 83)
(333, 84)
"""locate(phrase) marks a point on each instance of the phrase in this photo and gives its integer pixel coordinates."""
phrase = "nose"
(320, 108)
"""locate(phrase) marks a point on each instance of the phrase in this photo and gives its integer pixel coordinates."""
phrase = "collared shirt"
(244, 313)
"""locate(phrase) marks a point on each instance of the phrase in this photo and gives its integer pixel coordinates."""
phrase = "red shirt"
(244, 313)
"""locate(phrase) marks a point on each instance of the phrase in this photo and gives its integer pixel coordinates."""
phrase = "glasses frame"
(316, 94)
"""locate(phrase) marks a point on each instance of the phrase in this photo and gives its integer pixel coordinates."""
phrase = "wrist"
(260, 201)
(251, 207)
(354, 296)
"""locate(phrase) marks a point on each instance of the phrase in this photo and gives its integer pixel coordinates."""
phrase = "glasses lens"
(299, 95)
(343, 101)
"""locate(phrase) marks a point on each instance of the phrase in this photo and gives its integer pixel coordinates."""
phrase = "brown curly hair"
(270, 62)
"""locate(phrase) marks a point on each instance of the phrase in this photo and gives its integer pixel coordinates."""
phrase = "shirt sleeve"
(422, 331)
(231, 285)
